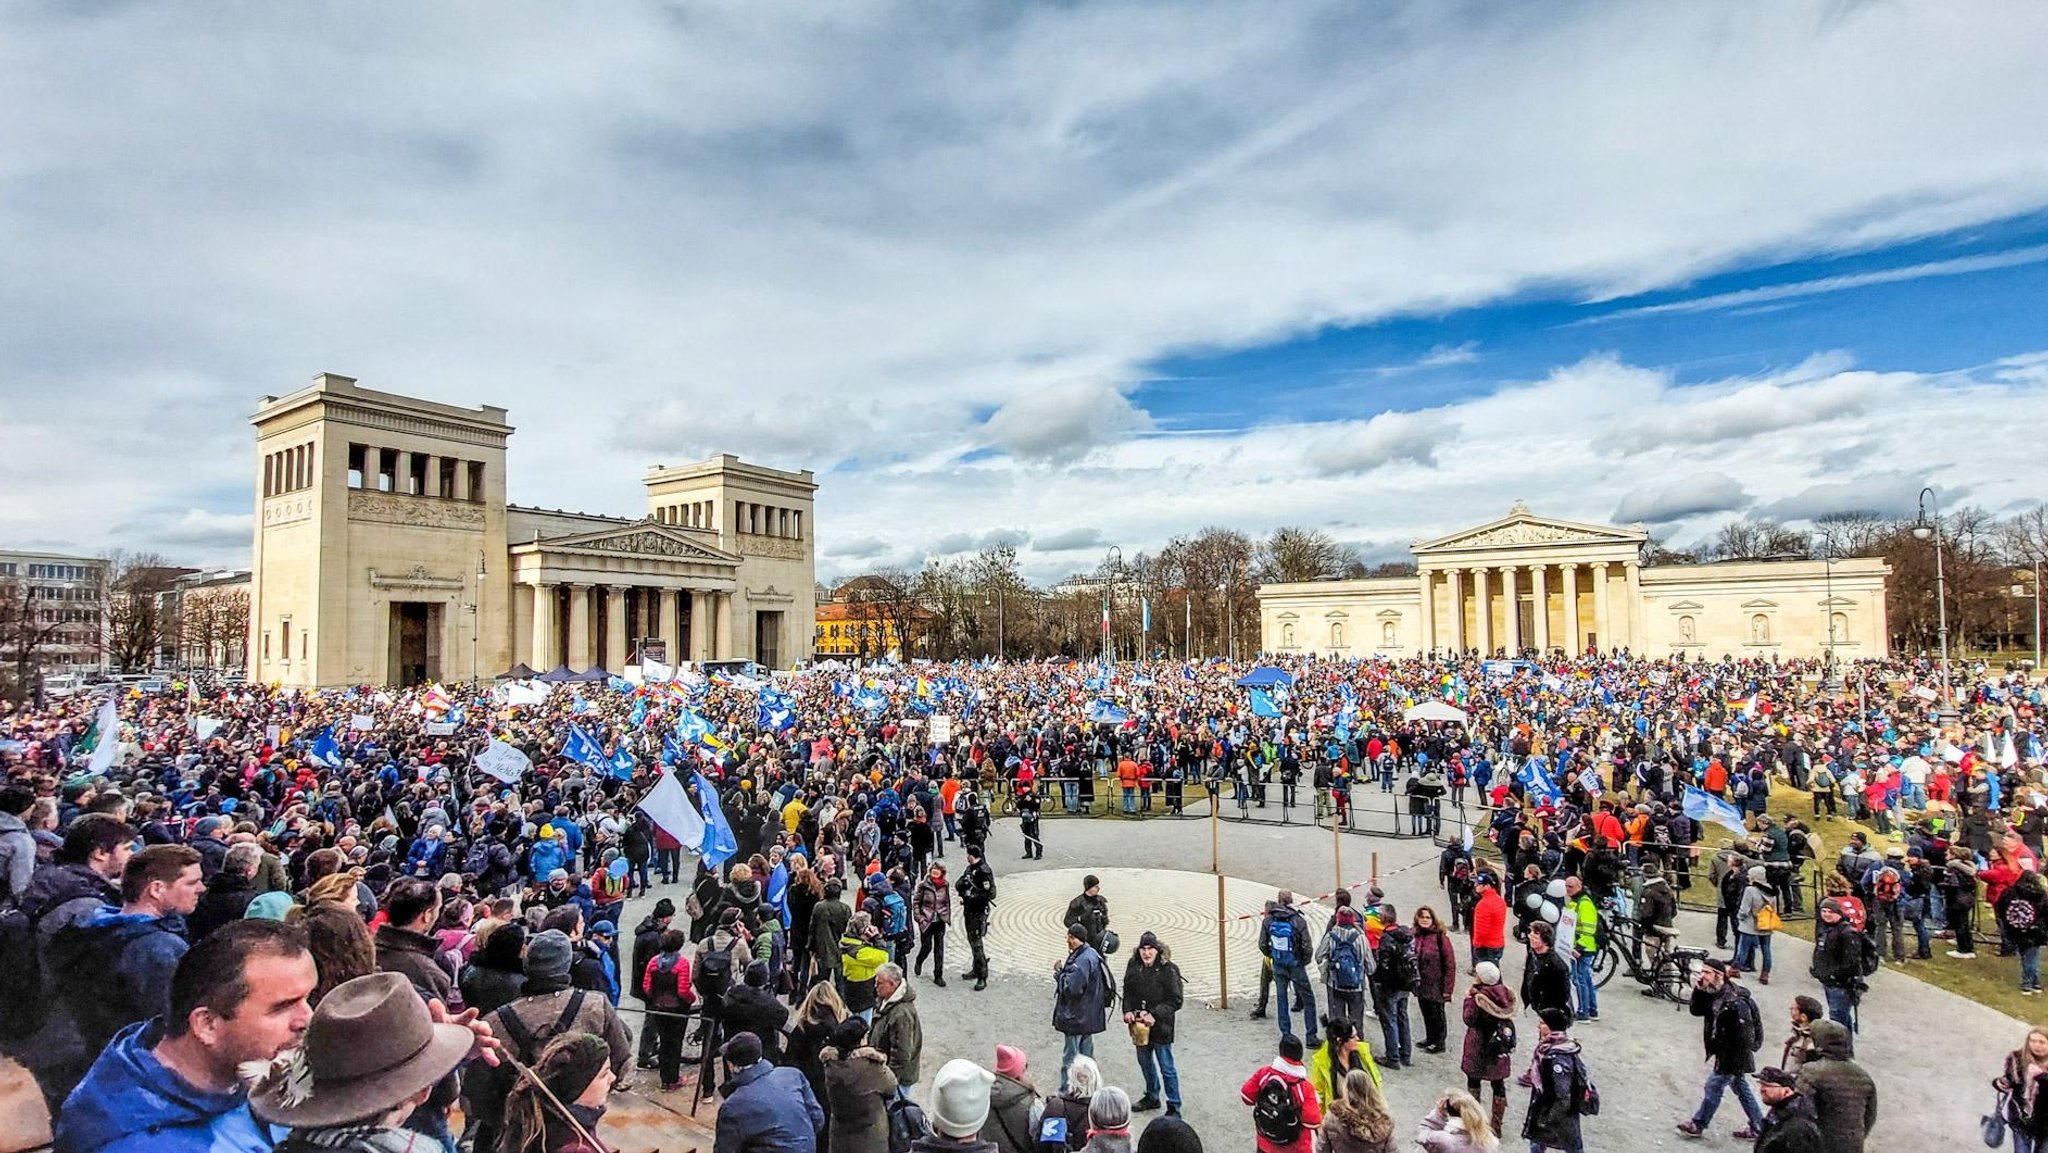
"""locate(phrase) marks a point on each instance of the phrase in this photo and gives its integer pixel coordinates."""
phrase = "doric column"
(722, 645)
(543, 656)
(1456, 577)
(1602, 624)
(1427, 635)
(1482, 614)
(1571, 609)
(671, 601)
(578, 652)
(615, 627)
(1511, 615)
(1540, 585)
(1633, 570)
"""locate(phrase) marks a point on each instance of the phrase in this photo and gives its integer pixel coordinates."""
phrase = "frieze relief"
(1527, 532)
(288, 509)
(419, 511)
(416, 577)
(782, 548)
(647, 544)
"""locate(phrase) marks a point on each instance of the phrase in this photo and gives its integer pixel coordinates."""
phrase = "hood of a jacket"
(9, 823)
(1831, 1039)
(132, 1092)
(122, 926)
(905, 994)
(59, 884)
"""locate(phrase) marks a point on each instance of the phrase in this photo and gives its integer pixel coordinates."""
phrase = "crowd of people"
(346, 918)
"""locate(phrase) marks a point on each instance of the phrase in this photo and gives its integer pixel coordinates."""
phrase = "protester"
(1560, 1088)
(858, 1084)
(1285, 944)
(1285, 1111)
(959, 1110)
(1152, 995)
(1081, 997)
(898, 1031)
(1844, 1096)
(765, 1109)
(576, 1073)
(1731, 1032)
(1490, 1038)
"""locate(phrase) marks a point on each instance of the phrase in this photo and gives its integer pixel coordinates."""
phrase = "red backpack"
(668, 988)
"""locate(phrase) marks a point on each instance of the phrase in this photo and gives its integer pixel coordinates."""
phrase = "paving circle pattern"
(1028, 934)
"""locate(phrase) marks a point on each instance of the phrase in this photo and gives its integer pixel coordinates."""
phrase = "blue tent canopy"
(1264, 677)
(557, 675)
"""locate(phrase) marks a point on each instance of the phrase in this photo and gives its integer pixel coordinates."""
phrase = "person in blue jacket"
(547, 855)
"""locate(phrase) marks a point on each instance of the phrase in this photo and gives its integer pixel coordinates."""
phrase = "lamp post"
(1828, 677)
(1111, 565)
(1928, 529)
(2020, 591)
(476, 616)
(998, 599)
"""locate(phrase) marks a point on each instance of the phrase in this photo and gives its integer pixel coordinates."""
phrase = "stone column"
(1633, 570)
(1427, 634)
(1482, 614)
(401, 473)
(615, 627)
(1511, 619)
(1540, 585)
(700, 625)
(665, 613)
(578, 652)
(543, 656)
(1571, 609)
(1601, 624)
(1456, 577)
(722, 647)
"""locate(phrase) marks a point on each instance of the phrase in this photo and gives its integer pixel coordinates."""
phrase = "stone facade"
(1528, 582)
(386, 553)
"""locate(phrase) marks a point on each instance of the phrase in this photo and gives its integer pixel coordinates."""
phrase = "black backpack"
(1398, 972)
(526, 1044)
(1276, 1111)
(1499, 1040)
(907, 1124)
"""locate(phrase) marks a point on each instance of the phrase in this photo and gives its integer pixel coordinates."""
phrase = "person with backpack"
(1284, 942)
(1398, 976)
(2022, 912)
(1347, 962)
(547, 1008)
(1844, 1096)
(1560, 1089)
(1082, 996)
(1756, 918)
(1090, 910)
(1152, 997)
(1732, 1032)
(1887, 894)
(1838, 951)
(1285, 1111)
(1489, 1049)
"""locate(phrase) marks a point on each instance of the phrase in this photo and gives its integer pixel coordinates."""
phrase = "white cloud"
(199, 528)
(1668, 500)
(1346, 448)
(1747, 297)
(865, 239)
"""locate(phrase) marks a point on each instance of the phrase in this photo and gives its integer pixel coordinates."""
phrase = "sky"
(1057, 275)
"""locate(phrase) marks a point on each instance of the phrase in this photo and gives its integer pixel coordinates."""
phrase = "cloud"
(960, 542)
(1694, 495)
(201, 529)
(856, 548)
(1063, 422)
(1069, 540)
(1445, 355)
(1744, 298)
(1350, 448)
(1887, 494)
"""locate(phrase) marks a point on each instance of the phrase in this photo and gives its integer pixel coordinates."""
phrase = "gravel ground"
(1931, 1052)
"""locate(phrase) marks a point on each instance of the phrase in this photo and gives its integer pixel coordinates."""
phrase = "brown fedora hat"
(370, 1045)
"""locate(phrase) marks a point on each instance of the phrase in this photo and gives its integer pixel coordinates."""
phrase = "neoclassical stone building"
(1526, 581)
(385, 553)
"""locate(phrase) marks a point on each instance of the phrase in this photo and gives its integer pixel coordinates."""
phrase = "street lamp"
(1928, 529)
(475, 613)
(2020, 591)
(1112, 565)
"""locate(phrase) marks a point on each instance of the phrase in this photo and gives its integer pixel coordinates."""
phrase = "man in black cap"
(647, 943)
(977, 891)
(1090, 910)
(1791, 1125)
(1732, 1033)
(757, 1113)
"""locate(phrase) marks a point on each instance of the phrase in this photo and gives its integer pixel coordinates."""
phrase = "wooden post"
(1337, 850)
(1222, 949)
(1375, 879)
(1215, 839)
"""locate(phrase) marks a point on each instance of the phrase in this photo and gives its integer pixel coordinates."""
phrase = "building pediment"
(644, 538)
(1522, 527)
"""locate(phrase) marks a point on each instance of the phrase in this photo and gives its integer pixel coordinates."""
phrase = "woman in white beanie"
(958, 1110)
(1109, 1121)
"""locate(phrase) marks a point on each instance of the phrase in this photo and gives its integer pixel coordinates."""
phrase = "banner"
(439, 728)
(362, 722)
(503, 761)
(941, 731)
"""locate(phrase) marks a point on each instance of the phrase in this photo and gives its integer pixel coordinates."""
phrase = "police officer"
(976, 889)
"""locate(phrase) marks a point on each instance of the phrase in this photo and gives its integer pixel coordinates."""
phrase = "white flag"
(525, 693)
(362, 722)
(670, 810)
(205, 727)
(109, 746)
(503, 761)
(654, 672)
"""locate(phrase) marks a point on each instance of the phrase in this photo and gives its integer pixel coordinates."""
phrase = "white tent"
(1434, 711)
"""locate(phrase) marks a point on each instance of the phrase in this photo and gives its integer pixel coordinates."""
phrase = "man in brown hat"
(372, 1054)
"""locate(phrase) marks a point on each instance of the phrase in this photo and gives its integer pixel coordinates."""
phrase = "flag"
(1536, 780)
(719, 844)
(434, 702)
(639, 715)
(1145, 613)
(205, 727)
(106, 734)
(1105, 713)
(1467, 839)
(503, 761)
(584, 751)
(622, 764)
(325, 751)
(655, 672)
(1262, 705)
(773, 718)
(668, 806)
(1702, 805)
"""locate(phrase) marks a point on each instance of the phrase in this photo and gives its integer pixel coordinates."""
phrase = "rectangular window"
(285, 631)
(387, 470)
(356, 455)
(266, 644)
(416, 476)
(312, 466)
(445, 483)
(476, 480)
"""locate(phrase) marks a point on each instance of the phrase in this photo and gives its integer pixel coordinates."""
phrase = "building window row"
(688, 514)
(767, 520)
(62, 593)
(55, 572)
(415, 473)
(288, 470)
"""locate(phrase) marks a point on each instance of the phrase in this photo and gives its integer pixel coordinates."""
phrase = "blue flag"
(691, 727)
(584, 751)
(1262, 705)
(1536, 780)
(622, 764)
(773, 718)
(719, 843)
(325, 751)
(1703, 806)
(1145, 613)
(639, 716)
(1105, 713)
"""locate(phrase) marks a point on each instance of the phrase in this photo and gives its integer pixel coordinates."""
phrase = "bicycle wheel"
(1605, 962)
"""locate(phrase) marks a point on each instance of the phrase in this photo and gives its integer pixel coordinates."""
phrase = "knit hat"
(547, 956)
(1169, 1134)
(1010, 1062)
(268, 907)
(664, 908)
(559, 875)
(959, 1103)
(1090, 881)
(1110, 1108)
(1486, 973)
(1148, 940)
(575, 1066)
(743, 1051)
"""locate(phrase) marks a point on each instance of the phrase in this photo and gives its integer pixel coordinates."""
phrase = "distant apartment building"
(55, 605)
(205, 617)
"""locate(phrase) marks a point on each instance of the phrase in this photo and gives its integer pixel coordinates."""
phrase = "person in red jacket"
(665, 984)
(1489, 919)
(1284, 1130)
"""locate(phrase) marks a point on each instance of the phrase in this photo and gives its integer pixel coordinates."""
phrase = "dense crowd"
(236, 913)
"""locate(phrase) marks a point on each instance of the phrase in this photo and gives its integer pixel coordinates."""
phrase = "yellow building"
(385, 553)
(1530, 582)
(853, 629)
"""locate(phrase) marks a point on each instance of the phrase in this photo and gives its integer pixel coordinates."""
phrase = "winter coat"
(858, 1088)
(1326, 952)
(1547, 982)
(1838, 956)
(1325, 1078)
(17, 857)
(107, 972)
(1154, 989)
(417, 957)
(1338, 1139)
(756, 1011)
(1440, 1134)
(1843, 1095)
(1013, 1113)
(1553, 1117)
(1790, 1127)
(486, 990)
(828, 925)
(131, 1103)
(860, 960)
(1298, 1083)
(1092, 914)
(1081, 999)
(1485, 1004)
(646, 945)
(226, 898)
(759, 1113)
(1490, 920)
(931, 902)
(1754, 899)
(2034, 933)
(1722, 1032)
(807, 1043)
(63, 895)
(1436, 959)
(1303, 948)
(899, 1034)
(485, 1087)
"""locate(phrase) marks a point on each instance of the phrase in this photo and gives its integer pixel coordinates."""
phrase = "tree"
(134, 584)
(1758, 540)
(1293, 553)
(27, 626)
(214, 626)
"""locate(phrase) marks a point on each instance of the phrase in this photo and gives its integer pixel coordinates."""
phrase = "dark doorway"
(415, 642)
(768, 639)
